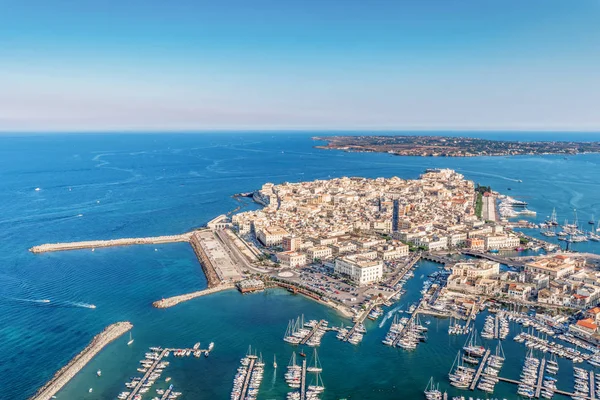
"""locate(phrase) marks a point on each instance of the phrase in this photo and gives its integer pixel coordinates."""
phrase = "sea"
(70, 187)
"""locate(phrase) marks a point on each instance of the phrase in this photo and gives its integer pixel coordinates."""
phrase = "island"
(449, 146)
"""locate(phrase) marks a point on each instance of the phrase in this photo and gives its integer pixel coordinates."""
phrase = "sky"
(312, 64)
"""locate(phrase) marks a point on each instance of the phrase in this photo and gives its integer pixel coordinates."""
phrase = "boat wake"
(42, 301)
(389, 315)
(82, 305)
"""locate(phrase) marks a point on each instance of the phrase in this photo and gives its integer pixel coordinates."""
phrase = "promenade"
(65, 374)
(92, 244)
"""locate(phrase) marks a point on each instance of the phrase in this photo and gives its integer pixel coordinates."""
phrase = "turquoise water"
(141, 185)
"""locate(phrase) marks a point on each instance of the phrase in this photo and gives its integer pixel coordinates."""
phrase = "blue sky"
(311, 64)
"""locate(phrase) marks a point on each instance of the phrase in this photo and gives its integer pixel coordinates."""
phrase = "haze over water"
(112, 186)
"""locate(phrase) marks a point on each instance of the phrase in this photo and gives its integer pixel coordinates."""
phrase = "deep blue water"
(142, 185)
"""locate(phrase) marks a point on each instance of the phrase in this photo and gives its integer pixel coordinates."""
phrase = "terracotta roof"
(594, 310)
(587, 323)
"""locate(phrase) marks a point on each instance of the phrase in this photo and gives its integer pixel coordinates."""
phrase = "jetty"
(247, 378)
(65, 374)
(312, 331)
(92, 244)
(496, 327)
(173, 301)
(149, 372)
(592, 386)
(167, 392)
(480, 369)
(538, 387)
(303, 381)
(558, 391)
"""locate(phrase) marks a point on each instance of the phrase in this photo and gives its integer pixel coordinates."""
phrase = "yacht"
(99, 373)
(130, 340)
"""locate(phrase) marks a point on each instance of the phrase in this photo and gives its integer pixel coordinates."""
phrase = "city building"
(360, 271)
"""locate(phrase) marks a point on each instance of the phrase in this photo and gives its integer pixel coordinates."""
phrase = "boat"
(206, 353)
(130, 340)
(37, 189)
(211, 346)
(316, 367)
(99, 373)
(274, 361)
(592, 222)
(302, 353)
(91, 390)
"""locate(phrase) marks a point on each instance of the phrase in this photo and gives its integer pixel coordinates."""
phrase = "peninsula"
(448, 146)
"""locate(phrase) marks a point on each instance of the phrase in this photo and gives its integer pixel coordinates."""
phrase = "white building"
(291, 258)
(501, 242)
(363, 272)
(271, 236)
(321, 253)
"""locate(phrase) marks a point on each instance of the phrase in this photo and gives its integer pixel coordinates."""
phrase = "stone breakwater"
(66, 373)
(91, 244)
(173, 301)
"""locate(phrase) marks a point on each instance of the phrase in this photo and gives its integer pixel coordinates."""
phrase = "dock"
(312, 332)
(480, 370)
(558, 391)
(247, 378)
(409, 323)
(92, 244)
(592, 386)
(496, 327)
(65, 374)
(360, 319)
(149, 372)
(538, 387)
(303, 381)
(167, 392)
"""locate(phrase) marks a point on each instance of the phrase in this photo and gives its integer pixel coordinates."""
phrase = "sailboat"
(274, 361)
(471, 347)
(318, 384)
(130, 340)
(316, 367)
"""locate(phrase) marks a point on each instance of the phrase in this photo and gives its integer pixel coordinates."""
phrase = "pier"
(592, 386)
(496, 327)
(480, 370)
(149, 372)
(408, 323)
(538, 387)
(558, 391)
(247, 378)
(360, 319)
(92, 244)
(65, 374)
(173, 301)
(312, 332)
(167, 392)
(303, 381)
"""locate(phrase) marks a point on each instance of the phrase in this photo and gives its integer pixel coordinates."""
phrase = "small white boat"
(274, 362)
(99, 373)
(91, 390)
(130, 340)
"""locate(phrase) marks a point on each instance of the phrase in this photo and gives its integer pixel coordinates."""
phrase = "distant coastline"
(450, 146)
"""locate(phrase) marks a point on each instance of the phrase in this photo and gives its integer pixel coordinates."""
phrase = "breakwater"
(66, 373)
(173, 301)
(92, 244)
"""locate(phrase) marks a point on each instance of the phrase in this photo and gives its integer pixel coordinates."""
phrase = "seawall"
(66, 373)
(91, 244)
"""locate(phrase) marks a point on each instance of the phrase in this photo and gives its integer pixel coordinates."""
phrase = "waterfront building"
(359, 270)
(479, 269)
(556, 267)
(498, 242)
